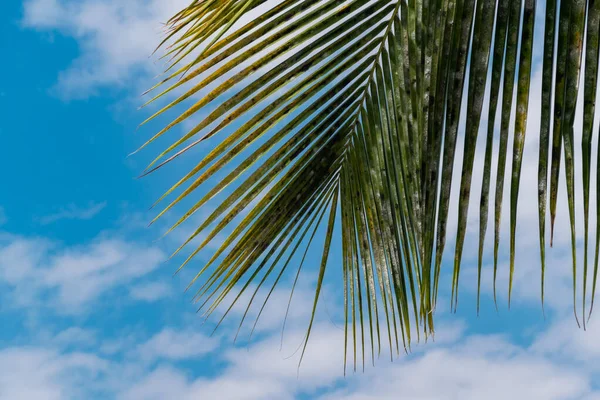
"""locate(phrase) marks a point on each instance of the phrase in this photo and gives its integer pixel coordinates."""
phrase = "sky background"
(89, 307)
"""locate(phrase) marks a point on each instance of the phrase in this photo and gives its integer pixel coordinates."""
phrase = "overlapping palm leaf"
(347, 112)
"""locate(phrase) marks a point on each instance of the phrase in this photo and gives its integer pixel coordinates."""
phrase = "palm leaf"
(344, 115)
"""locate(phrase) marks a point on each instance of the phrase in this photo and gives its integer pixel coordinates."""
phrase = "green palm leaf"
(344, 115)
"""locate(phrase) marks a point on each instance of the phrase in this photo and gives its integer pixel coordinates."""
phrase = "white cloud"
(472, 367)
(43, 13)
(176, 345)
(38, 272)
(115, 38)
(42, 374)
(493, 369)
(74, 212)
(563, 339)
(457, 365)
(160, 384)
(151, 291)
(75, 336)
(167, 383)
(260, 371)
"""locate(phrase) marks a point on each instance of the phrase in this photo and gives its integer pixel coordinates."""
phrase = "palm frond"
(348, 112)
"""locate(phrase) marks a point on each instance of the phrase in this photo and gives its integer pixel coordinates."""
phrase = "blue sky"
(88, 304)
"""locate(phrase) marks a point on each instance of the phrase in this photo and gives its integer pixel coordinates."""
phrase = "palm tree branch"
(353, 110)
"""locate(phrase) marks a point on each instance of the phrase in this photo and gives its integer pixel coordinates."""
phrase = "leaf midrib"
(367, 86)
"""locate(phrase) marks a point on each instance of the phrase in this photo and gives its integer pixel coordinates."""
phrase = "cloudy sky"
(88, 302)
